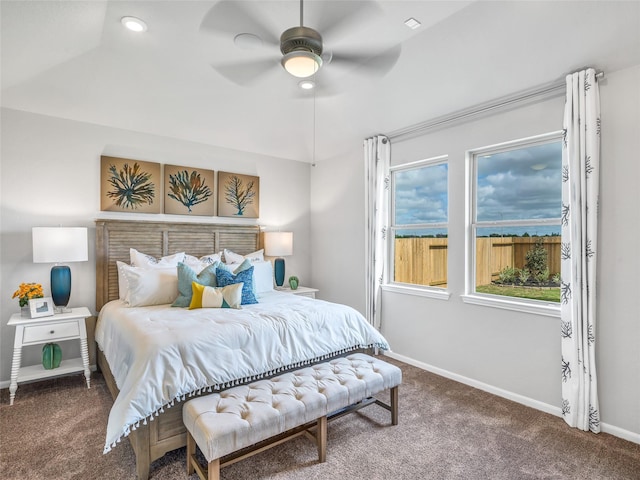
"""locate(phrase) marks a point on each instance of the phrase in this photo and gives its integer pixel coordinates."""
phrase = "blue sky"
(519, 184)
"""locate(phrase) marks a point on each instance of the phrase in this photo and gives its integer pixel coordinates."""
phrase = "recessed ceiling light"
(412, 23)
(247, 41)
(134, 24)
(306, 84)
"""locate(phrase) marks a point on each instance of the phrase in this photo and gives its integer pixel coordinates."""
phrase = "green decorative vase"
(293, 283)
(51, 355)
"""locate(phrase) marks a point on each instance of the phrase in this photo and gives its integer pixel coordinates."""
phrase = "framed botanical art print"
(129, 185)
(238, 195)
(188, 191)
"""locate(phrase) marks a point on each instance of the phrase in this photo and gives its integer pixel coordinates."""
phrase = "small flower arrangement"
(27, 291)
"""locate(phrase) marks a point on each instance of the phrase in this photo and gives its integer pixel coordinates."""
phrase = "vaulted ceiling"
(187, 78)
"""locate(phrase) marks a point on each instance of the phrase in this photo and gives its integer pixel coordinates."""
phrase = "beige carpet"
(56, 430)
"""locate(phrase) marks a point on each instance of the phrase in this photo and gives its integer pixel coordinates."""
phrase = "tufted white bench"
(248, 419)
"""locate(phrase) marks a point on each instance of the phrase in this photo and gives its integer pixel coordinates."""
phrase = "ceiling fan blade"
(246, 73)
(344, 72)
(370, 64)
(335, 20)
(233, 17)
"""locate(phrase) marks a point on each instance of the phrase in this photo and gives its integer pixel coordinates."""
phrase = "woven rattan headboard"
(115, 237)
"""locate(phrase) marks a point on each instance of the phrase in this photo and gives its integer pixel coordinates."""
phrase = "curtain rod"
(543, 92)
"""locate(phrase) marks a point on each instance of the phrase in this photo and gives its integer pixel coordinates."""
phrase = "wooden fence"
(423, 261)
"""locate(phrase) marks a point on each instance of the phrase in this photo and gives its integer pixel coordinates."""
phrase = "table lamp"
(60, 245)
(278, 244)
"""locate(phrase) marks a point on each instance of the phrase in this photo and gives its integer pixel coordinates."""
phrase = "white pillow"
(143, 286)
(262, 275)
(231, 257)
(142, 260)
(199, 264)
(123, 286)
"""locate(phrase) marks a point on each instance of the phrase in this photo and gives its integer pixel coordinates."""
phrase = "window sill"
(542, 308)
(420, 292)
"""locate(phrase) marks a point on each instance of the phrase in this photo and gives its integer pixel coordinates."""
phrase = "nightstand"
(302, 291)
(38, 331)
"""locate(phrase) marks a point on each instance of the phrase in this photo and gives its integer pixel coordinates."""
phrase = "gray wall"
(49, 176)
(337, 229)
(513, 354)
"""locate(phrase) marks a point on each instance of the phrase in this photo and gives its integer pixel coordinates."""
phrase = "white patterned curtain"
(580, 177)
(377, 153)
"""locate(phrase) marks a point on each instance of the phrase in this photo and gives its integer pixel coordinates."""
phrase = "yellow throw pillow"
(216, 297)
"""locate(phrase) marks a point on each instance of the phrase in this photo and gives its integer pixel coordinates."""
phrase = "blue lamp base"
(278, 268)
(61, 287)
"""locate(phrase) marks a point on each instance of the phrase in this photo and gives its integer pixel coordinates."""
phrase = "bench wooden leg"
(191, 451)
(214, 469)
(394, 405)
(212, 472)
(321, 439)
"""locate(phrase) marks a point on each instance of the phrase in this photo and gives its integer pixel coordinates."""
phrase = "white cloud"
(421, 195)
(520, 184)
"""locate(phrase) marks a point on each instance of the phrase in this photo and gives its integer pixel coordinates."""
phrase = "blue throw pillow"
(224, 277)
(245, 265)
(186, 275)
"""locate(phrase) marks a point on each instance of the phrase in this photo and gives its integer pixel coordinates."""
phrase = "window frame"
(538, 307)
(389, 283)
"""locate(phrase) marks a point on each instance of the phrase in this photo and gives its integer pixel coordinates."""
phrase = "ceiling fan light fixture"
(301, 48)
(301, 63)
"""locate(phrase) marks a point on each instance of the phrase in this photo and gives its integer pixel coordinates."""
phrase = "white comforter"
(160, 354)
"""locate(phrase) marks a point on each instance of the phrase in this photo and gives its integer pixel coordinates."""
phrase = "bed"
(155, 357)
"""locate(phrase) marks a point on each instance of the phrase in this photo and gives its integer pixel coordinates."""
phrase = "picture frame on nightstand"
(41, 307)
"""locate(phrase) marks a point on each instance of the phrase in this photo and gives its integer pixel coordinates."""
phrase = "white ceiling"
(73, 59)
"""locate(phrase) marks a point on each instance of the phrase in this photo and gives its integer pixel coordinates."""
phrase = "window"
(419, 216)
(515, 211)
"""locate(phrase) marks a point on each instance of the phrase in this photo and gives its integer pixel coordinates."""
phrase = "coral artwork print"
(188, 191)
(129, 185)
(238, 195)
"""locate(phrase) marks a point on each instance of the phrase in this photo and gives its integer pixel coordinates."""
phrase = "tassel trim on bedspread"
(181, 397)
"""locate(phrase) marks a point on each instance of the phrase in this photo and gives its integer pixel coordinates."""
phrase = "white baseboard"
(620, 432)
(529, 402)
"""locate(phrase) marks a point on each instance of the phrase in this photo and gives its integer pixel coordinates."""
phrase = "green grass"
(544, 294)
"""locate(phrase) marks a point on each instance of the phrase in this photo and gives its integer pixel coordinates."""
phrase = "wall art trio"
(137, 186)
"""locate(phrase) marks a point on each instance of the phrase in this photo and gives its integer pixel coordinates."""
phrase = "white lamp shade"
(278, 244)
(60, 244)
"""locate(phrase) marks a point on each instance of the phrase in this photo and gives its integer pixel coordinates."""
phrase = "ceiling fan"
(301, 48)
(303, 52)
